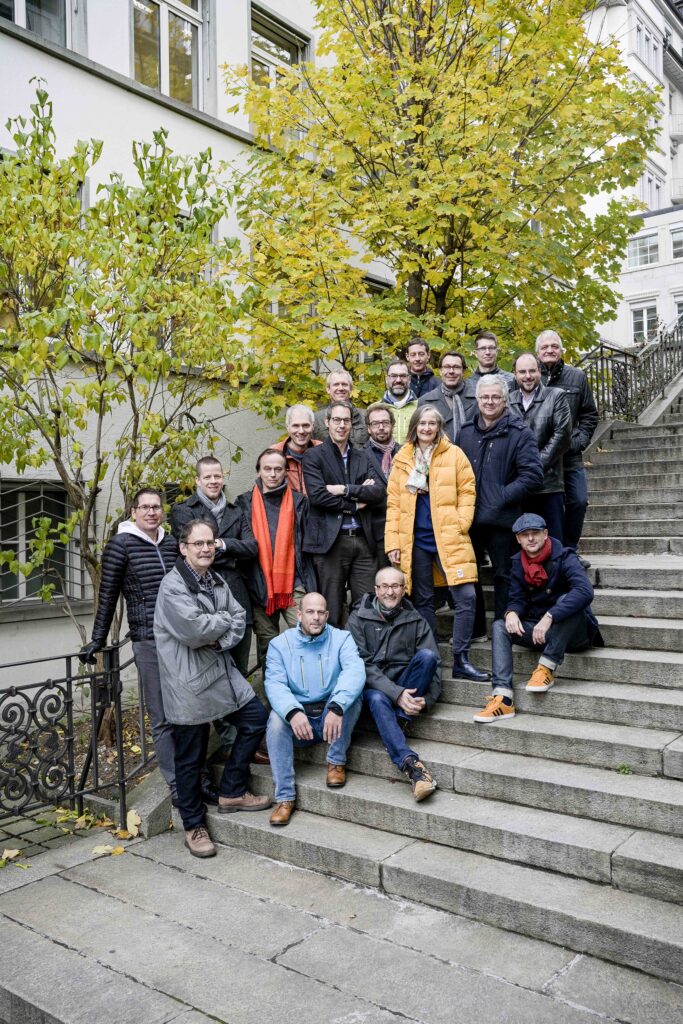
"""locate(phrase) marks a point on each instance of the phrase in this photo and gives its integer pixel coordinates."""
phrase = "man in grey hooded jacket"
(196, 622)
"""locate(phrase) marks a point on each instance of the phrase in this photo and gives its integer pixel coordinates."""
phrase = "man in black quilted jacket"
(134, 563)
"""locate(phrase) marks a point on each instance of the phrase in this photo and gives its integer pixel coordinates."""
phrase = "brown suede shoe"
(260, 757)
(282, 813)
(246, 802)
(336, 775)
(198, 842)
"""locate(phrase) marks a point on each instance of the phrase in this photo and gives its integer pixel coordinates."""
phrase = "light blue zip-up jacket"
(302, 670)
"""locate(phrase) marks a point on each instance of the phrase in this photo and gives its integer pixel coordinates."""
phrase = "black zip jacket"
(582, 407)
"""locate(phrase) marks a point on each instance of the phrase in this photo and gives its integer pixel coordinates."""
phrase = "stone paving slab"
(619, 992)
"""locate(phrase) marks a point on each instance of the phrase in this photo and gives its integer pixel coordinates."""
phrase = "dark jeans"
(569, 635)
(551, 507)
(147, 663)
(422, 596)
(191, 742)
(575, 504)
(417, 675)
(349, 563)
(500, 543)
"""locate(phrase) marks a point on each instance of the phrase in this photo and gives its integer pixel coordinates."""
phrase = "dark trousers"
(349, 563)
(570, 635)
(575, 504)
(422, 596)
(499, 542)
(551, 508)
(191, 742)
(417, 675)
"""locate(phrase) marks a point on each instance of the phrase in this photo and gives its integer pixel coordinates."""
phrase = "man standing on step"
(486, 352)
(546, 411)
(299, 422)
(381, 449)
(402, 670)
(422, 377)
(314, 682)
(447, 397)
(400, 396)
(574, 383)
(548, 610)
(339, 387)
(197, 622)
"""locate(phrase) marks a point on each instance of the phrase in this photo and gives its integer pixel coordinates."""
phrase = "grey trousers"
(145, 654)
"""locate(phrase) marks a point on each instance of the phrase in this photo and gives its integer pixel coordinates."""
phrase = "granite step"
(650, 475)
(620, 545)
(623, 494)
(632, 572)
(623, 527)
(656, 458)
(600, 510)
(600, 744)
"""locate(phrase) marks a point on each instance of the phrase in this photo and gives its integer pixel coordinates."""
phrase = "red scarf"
(534, 573)
(278, 571)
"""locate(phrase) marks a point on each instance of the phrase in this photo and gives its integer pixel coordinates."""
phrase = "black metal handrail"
(625, 382)
(37, 734)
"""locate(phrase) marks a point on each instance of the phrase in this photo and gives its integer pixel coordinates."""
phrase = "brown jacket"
(295, 473)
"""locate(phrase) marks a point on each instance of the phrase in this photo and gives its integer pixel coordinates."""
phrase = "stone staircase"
(566, 823)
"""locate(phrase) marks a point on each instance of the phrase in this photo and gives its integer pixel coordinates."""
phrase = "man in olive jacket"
(402, 670)
(196, 623)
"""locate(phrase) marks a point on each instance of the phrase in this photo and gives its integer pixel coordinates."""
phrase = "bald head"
(312, 614)
(390, 586)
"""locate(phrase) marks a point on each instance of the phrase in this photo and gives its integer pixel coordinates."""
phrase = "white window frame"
(676, 236)
(273, 63)
(642, 309)
(199, 19)
(20, 19)
(633, 257)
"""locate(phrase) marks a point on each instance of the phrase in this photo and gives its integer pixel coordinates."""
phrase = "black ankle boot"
(462, 669)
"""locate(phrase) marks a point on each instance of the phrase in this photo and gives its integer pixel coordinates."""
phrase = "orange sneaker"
(541, 680)
(495, 710)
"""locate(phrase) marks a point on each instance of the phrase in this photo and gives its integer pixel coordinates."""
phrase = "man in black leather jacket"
(235, 548)
(134, 563)
(574, 383)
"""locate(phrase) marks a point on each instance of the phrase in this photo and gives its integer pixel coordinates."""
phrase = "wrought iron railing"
(625, 382)
(38, 729)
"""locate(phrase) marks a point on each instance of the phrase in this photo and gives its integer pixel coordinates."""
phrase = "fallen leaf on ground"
(102, 850)
(10, 854)
(117, 851)
(133, 822)
(121, 833)
(135, 749)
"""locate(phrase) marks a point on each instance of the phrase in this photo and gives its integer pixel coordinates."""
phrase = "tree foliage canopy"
(107, 312)
(456, 144)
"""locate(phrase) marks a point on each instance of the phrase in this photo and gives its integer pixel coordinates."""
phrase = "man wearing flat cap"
(548, 610)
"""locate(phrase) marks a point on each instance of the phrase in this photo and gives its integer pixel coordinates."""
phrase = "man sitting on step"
(314, 682)
(403, 671)
(548, 610)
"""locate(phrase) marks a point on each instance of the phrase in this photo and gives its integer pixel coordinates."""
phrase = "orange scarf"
(278, 571)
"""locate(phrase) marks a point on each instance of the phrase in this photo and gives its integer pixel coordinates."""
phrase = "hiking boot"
(198, 842)
(420, 778)
(246, 802)
(495, 710)
(336, 776)
(282, 812)
(541, 680)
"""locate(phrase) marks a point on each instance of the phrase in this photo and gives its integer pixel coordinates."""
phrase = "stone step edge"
(395, 875)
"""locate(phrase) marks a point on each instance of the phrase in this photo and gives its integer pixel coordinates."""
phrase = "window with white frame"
(274, 47)
(651, 190)
(677, 243)
(643, 251)
(167, 40)
(23, 504)
(47, 18)
(679, 312)
(647, 47)
(644, 323)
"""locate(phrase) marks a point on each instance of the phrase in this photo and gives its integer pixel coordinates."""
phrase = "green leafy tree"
(107, 314)
(463, 146)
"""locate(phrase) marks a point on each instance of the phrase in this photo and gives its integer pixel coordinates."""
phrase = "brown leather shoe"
(282, 813)
(198, 842)
(246, 802)
(336, 775)
(260, 757)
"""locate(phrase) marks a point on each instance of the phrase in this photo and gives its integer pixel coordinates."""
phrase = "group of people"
(360, 525)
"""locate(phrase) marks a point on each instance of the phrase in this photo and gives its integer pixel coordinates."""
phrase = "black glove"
(88, 652)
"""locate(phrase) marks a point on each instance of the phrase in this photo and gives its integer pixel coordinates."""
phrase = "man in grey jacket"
(447, 397)
(196, 622)
(402, 670)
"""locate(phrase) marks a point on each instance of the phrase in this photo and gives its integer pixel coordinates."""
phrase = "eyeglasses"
(148, 508)
(390, 586)
(379, 423)
(487, 348)
(338, 420)
(199, 544)
(397, 376)
(491, 399)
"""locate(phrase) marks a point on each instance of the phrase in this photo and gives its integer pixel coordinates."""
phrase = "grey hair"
(337, 373)
(390, 568)
(491, 380)
(294, 410)
(550, 336)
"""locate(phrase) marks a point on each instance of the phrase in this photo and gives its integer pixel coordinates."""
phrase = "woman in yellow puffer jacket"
(430, 507)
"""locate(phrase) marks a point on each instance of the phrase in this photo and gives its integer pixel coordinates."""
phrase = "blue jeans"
(575, 504)
(191, 742)
(569, 635)
(282, 741)
(422, 596)
(417, 675)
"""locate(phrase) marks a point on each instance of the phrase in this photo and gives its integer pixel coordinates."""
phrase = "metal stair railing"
(625, 382)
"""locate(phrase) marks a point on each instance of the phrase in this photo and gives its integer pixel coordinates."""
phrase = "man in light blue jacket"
(314, 682)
